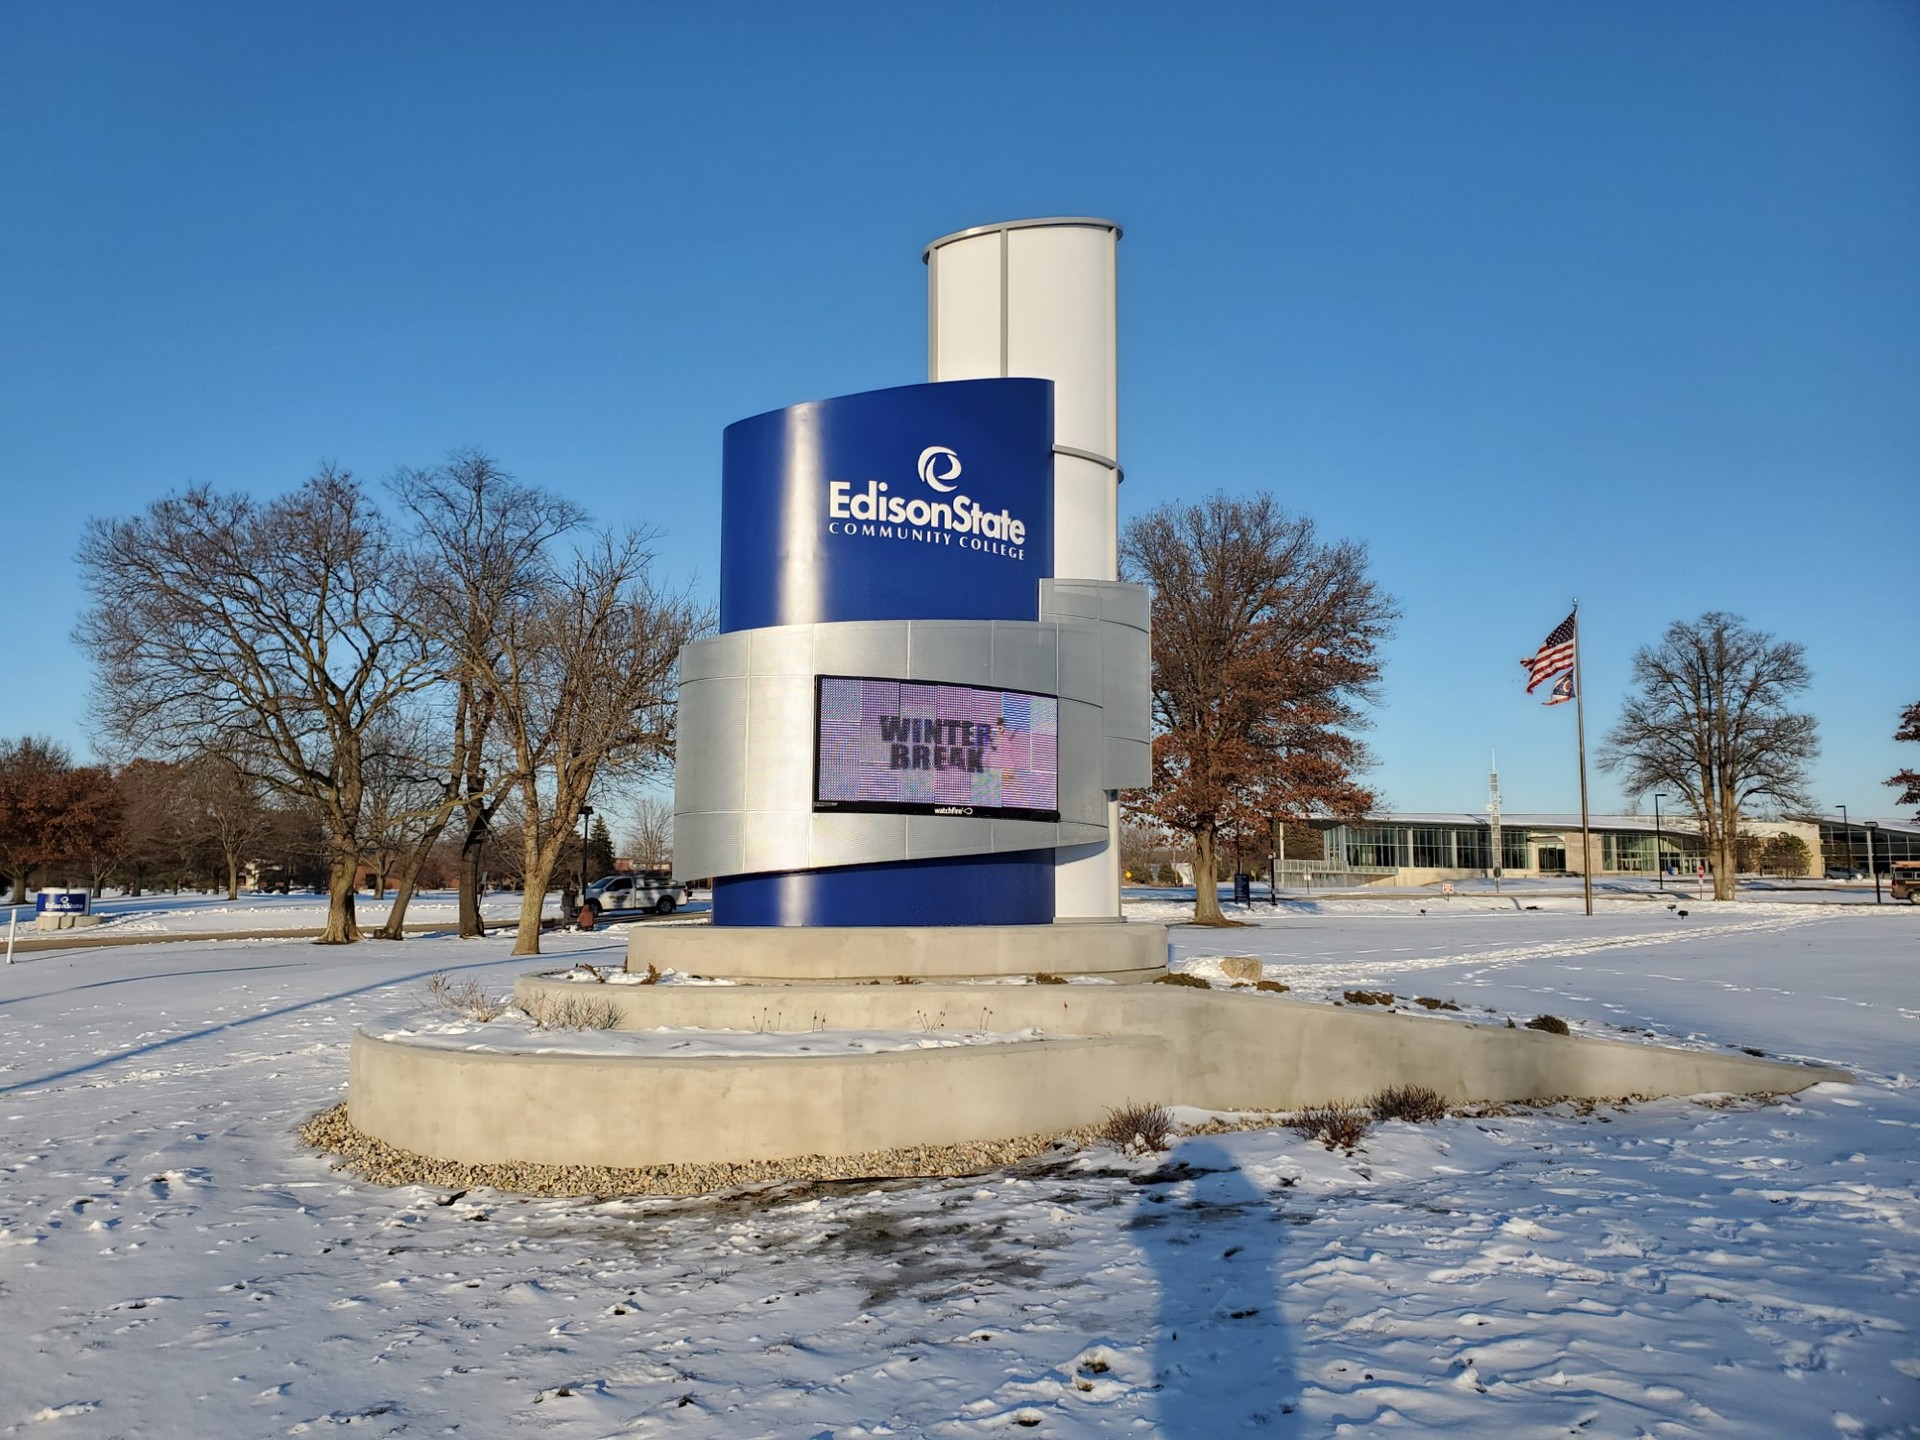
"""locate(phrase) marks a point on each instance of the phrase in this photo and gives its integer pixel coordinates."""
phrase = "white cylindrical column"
(1038, 298)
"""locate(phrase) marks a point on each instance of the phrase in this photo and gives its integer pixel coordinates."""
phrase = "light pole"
(1873, 825)
(1846, 831)
(1659, 852)
(586, 814)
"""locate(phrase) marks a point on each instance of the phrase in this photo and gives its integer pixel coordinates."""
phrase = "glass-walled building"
(1416, 849)
(1844, 842)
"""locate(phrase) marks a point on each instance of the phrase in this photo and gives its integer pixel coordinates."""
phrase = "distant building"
(1425, 848)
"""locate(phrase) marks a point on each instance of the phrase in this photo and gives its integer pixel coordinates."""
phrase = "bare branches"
(1709, 719)
(277, 635)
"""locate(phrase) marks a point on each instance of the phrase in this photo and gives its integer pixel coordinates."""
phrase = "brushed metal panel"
(714, 656)
(779, 750)
(777, 840)
(929, 835)
(960, 651)
(1070, 599)
(1124, 603)
(1129, 764)
(1083, 796)
(1080, 661)
(710, 745)
(1026, 657)
(1023, 835)
(861, 647)
(1126, 682)
(858, 839)
(782, 650)
(708, 844)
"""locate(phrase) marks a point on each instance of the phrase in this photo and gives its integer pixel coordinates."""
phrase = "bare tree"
(483, 539)
(585, 684)
(277, 634)
(1709, 719)
(1265, 647)
(222, 807)
(650, 838)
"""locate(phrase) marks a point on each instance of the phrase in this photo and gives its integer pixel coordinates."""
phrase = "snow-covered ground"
(172, 1264)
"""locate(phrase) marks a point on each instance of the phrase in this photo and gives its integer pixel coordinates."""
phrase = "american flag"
(1554, 657)
(1562, 690)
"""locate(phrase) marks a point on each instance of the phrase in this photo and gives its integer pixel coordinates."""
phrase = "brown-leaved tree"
(1265, 648)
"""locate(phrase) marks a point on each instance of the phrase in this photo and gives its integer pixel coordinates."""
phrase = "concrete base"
(861, 954)
(51, 921)
(1108, 1045)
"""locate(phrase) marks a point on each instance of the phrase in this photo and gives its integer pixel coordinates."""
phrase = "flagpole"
(1580, 729)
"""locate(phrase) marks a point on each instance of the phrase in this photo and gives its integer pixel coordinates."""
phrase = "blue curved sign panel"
(925, 502)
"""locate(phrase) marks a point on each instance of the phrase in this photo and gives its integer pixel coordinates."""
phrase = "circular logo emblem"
(939, 467)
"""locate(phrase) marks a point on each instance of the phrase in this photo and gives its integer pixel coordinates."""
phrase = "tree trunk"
(20, 888)
(541, 858)
(1206, 888)
(526, 940)
(342, 928)
(233, 875)
(410, 866)
(471, 925)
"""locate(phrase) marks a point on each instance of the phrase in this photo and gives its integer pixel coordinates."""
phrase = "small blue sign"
(60, 902)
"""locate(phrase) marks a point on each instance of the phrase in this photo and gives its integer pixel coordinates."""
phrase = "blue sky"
(1617, 301)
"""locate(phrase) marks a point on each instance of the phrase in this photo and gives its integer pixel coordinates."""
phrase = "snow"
(173, 1264)
(515, 1033)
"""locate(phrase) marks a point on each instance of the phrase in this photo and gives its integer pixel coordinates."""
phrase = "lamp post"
(586, 814)
(1873, 825)
(1846, 831)
(1659, 851)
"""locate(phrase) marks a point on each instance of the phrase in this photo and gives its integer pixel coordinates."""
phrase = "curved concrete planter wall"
(1214, 1049)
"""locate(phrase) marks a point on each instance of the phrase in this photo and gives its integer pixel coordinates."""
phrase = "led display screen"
(912, 747)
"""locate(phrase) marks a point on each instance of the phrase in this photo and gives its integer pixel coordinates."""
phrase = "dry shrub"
(1272, 987)
(571, 1012)
(1367, 997)
(1175, 977)
(590, 972)
(1552, 1024)
(1339, 1126)
(1043, 978)
(1135, 1129)
(463, 997)
(1408, 1102)
(651, 975)
(1427, 1002)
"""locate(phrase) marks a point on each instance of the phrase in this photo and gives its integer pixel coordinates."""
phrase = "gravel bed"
(386, 1164)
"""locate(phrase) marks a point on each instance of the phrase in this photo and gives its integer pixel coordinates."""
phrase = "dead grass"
(1136, 1129)
(1043, 978)
(1416, 1103)
(1272, 987)
(1367, 997)
(462, 997)
(1177, 977)
(1427, 1002)
(1339, 1126)
(1552, 1024)
(571, 1012)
